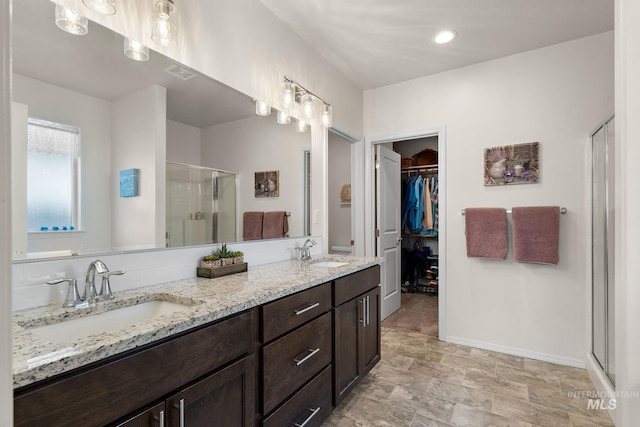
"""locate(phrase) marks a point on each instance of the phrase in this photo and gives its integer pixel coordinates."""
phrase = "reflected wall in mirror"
(138, 115)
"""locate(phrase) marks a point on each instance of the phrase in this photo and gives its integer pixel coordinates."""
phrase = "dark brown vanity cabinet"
(356, 329)
(296, 359)
(209, 370)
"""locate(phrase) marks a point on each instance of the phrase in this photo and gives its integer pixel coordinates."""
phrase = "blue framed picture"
(129, 182)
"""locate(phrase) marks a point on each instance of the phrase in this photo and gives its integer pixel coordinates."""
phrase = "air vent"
(180, 72)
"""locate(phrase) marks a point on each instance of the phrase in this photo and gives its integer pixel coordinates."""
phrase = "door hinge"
(377, 232)
(351, 243)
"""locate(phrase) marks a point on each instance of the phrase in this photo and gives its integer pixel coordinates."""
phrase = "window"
(52, 176)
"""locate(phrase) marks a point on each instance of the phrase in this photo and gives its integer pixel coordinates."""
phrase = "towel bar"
(563, 211)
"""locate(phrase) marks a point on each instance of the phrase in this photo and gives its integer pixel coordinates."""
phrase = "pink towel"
(535, 234)
(486, 232)
(275, 225)
(252, 225)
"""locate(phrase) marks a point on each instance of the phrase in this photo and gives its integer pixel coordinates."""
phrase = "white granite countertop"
(36, 358)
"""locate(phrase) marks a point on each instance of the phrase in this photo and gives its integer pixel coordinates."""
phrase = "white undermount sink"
(69, 331)
(330, 264)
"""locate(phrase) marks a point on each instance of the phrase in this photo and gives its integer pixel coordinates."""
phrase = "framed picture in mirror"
(267, 184)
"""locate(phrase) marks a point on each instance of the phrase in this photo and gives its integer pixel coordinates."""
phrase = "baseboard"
(576, 363)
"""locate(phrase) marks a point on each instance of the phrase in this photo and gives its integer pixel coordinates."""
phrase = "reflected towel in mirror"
(252, 225)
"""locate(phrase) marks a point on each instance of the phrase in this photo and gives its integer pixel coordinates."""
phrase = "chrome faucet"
(304, 253)
(90, 294)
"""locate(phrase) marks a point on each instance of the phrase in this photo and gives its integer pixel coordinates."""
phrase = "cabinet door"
(370, 354)
(347, 320)
(152, 417)
(223, 399)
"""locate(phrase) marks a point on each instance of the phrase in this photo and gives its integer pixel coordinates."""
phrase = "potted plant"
(238, 257)
(224, 255)
(210, 261)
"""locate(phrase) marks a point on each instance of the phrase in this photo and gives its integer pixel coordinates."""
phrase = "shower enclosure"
(201, 205)
(602, 249)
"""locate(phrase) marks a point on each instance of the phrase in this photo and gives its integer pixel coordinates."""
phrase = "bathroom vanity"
(281, 344)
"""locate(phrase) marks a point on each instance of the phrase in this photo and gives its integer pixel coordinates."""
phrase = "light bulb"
(103, 7)
(327, 120)
(262, 108)
(164, 29)
(308, 107)
(288, 94)
(301, 126)
(135, 50)
(283, 118)
(71, 21)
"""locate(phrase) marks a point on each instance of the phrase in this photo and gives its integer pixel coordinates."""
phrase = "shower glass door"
(201, 205)
(603, 255)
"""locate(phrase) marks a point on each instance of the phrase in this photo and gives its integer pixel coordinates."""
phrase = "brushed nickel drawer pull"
(307, 357)
(368, 311)
(363, 302)
(313, 414)
(160, 419)
(304, 310)
(181, 407)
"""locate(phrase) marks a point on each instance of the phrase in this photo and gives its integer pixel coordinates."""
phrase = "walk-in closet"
(420, 223)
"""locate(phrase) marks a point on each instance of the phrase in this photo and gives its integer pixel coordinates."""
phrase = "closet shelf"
(428, 236)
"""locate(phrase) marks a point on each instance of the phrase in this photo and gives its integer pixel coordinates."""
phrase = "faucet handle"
(105, 288)
(73, 297)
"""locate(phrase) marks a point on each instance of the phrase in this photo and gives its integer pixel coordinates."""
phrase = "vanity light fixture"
(293, 92)
(262, 108)
(135, 50)
(288, 94)
(164, 28)
(103, 7)
(444, 37)
(326, 116)
(283, 118)
(71, 21)
(308, 107)
(301, 126)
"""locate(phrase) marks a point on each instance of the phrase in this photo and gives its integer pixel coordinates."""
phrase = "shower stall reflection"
(201, 205)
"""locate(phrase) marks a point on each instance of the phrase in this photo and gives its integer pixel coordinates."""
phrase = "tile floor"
(418, 312)
(421, 381)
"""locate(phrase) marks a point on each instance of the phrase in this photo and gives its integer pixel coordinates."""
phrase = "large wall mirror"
(122, 150)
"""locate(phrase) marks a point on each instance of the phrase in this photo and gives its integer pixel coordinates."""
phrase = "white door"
(388, 226)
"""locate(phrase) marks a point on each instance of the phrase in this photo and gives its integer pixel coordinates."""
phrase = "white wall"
(339, 174)
(6, 379)
(19, 117)
(93, 117)
(248, 146)
(627, 236)
(183, 143)
(139, 141)
(556, 96)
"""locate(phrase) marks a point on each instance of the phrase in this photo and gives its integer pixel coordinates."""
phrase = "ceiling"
(380, 42)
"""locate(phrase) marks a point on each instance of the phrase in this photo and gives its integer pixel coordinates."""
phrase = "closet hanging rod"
(417, 168)
(563, 211)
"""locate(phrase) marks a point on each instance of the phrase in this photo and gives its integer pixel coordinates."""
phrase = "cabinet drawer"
(349, 287)
(312, 403)
(131, 382)
(292, 360)
(281, 316)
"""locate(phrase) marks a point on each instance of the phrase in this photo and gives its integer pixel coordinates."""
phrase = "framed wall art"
(267, 184)
(512, 164)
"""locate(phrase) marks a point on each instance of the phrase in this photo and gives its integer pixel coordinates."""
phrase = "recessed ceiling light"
(444, 37)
